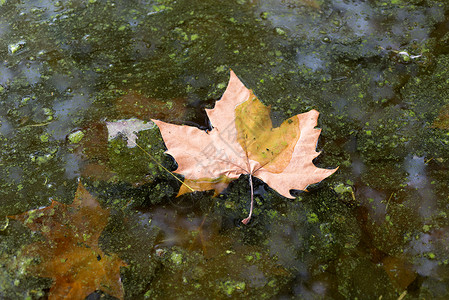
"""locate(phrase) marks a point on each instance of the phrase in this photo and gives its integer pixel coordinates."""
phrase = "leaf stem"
(246, 220)
(160, 165)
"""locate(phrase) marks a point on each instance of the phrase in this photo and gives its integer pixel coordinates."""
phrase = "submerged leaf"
(135, 105)
(442, 121)
(69, 252)
(399, 270)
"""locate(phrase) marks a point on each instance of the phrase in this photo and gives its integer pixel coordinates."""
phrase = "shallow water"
(375, 70)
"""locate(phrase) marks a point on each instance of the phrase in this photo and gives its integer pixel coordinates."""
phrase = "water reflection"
(45, 9)
(5, 127)
(192, 232)
(418, 249)
(5, 74)
(417, 179)
(31, 71)
(374, 201)
(310, 61)
(67, 113)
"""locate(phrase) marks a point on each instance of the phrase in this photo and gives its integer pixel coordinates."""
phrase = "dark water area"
(77, 78)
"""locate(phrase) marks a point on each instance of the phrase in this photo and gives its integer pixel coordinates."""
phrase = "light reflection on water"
(5, 74)
(417, 179)
(66, 111)
(5, 127)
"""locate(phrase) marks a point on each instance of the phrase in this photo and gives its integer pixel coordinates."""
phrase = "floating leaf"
(243, 141)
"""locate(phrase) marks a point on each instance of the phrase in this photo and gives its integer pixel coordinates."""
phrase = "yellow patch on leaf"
(205, 184)
(271, 147)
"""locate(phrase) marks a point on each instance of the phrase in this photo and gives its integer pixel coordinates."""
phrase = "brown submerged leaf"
(442, 121)
(69, 252)
(399, 270)
(134, 104)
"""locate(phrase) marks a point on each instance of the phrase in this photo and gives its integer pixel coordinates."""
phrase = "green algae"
(133, 165)
(215, 279)
(176, 258)
(229, 287)
(76, 137)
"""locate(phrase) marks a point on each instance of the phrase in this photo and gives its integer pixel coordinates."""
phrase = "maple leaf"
(70, 253)
(243, 141)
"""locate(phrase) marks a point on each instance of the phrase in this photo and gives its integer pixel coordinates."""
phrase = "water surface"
(375, 70)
